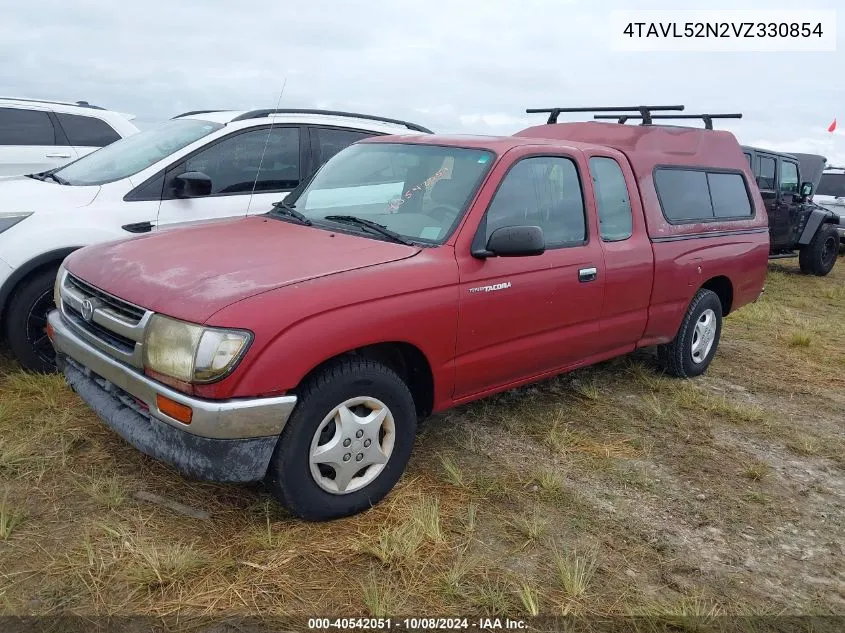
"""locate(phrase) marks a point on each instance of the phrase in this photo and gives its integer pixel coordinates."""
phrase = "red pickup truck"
(409, 275)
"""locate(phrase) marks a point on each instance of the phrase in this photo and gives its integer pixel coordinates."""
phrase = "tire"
(819, 256)
(26, 319)
(316, 496)
(678, 357)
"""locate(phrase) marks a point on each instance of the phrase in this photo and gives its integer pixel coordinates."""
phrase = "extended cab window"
(766, 177)
(233, 163)
(612, 201)
(25, 127)
(696, 195)
(86, 131)
(788, 177)
(541, 191)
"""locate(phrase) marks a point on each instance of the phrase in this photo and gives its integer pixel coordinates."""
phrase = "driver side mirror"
(192, 184)
(514, 241)
(806, 189)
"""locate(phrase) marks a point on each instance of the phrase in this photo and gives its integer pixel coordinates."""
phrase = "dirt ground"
(610, 491)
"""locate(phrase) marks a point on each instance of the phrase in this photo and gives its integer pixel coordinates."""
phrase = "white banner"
(723, 31)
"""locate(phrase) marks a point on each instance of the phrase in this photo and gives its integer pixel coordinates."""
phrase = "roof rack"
(257, 114)
(193, 112)
(645, 111)
(707, 118)
(85, 104)
(80, 104)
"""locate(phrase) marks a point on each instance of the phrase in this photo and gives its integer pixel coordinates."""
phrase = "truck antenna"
(266, 143)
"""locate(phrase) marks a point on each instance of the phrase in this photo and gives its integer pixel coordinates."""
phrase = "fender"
(54, 256)
(817, 217)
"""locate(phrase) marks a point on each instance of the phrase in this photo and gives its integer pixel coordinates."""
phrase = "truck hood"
(22, 193)
(191, 273)
(811, 167)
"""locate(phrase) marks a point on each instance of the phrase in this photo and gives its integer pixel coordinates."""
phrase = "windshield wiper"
(55, 178)
(373, 226)
(283, 208)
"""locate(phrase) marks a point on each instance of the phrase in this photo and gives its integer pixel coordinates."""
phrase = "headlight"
(8, 220)
(192, 353)
(57, 287)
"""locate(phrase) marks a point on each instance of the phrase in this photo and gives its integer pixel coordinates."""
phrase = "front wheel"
(819, 256)
(347, 442)
(690, 352)
(26, 322)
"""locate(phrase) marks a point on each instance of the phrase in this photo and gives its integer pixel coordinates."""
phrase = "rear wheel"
(819, 256)
(347, 442)
(690, 352)
(26, 322)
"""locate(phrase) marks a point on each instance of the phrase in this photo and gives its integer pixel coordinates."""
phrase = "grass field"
(612, 490)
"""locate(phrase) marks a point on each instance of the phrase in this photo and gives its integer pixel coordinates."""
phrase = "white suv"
(37, 135)
(831, 194)
(198, 166)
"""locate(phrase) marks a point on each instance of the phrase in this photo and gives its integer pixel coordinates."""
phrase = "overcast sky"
(452, 65)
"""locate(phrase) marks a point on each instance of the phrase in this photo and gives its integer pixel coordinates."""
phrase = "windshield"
(416, 191)
(135, 153)
(832, 185)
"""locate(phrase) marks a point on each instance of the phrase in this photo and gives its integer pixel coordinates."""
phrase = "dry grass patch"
(575, 569)
(10, 518)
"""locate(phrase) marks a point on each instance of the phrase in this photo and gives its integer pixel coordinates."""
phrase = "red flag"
(832, 126)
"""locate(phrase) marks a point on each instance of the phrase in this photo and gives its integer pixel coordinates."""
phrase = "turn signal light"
(50, 331)
(174, 409)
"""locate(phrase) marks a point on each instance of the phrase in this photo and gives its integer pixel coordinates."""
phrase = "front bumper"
(227, 440)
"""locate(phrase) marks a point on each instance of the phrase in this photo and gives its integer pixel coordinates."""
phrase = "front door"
(766, 174)
(789, 204)
(523, 316)
(28, 142)
(249, 171)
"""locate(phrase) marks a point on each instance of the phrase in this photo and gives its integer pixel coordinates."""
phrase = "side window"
(788, 177)
(766, 177)
(331, 140)
(543, 191)
(614, 205)
(688, 196)
(683, 194)
(26, 127)
(86, 131)
(729, 196)
(750, 161)
(233, 163)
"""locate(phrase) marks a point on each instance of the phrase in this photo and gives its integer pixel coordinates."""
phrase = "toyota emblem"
(87, 310)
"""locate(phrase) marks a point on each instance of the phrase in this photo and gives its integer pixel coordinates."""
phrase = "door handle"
(588, 274)
(58, 155)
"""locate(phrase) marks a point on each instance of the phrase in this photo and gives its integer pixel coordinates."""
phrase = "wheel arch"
(723, 287)
(25, 270)
(406, 359)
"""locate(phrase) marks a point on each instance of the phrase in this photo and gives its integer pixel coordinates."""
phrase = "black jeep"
(796, 223)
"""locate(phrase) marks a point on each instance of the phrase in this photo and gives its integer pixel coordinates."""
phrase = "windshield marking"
(428, 183)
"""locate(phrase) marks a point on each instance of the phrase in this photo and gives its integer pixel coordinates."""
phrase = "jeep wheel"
(347, 442)
(819, 256)
(26, 322)
(690, 352)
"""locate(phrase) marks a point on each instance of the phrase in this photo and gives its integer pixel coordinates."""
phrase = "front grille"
(128, 312)
(122, 343)
(114, 326)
